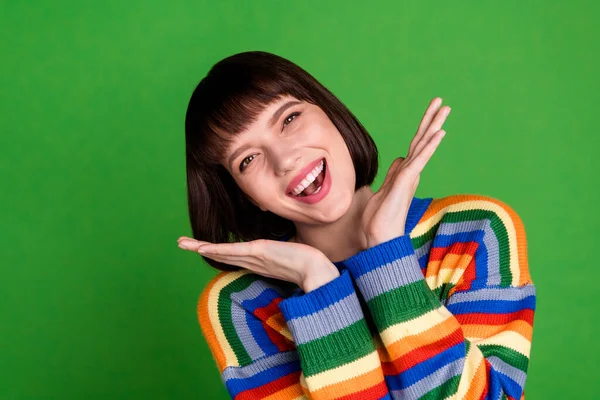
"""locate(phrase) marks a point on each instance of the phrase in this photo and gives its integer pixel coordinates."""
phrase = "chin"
(337, 209)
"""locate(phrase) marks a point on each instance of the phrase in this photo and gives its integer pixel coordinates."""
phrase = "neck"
(342, 238)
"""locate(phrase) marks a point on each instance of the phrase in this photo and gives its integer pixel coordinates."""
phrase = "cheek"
(260, 192)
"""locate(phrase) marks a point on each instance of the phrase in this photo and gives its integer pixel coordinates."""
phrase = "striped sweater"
(444, 311)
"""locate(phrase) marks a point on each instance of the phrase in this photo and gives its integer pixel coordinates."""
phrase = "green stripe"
(419, 241)
(500, 232)
(442, 291)
(507, 355)
(224, 309)
(446, 389)
(338, 348)
(497, 226)
(402, 304)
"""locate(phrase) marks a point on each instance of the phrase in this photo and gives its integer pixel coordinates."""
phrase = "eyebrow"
(276, 115)
(280, 111)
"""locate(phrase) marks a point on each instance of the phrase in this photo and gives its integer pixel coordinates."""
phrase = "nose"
(284, 160)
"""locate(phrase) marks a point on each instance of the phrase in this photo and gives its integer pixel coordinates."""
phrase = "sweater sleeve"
(313, 345)
(453, 302)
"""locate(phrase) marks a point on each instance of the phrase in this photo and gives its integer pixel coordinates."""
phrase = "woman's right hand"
(299, 263)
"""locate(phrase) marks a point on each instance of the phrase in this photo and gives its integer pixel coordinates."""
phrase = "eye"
(290, 119)
(243, 164)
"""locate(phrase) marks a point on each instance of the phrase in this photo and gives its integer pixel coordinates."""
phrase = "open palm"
(385, 214)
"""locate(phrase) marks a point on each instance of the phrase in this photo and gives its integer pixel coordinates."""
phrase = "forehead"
(275, 109)
(267, 117)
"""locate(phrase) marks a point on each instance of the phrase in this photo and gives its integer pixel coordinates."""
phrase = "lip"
(301, 176)
(315, 198)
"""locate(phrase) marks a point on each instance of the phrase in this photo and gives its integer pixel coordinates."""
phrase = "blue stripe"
(309, 303)
(398, 249)
(481, 254)
(260, 335)
(492, 306)
(511, 387)
(494, 386)
(425, 368)
(237, 385)
(262, 300)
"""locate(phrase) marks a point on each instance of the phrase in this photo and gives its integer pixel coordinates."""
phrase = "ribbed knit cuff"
(328, 325)
(390, 279)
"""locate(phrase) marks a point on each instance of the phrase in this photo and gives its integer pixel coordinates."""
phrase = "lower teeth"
(303, 194)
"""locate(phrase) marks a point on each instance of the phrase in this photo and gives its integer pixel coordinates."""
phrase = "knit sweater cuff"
(328, 325)
(390, 279)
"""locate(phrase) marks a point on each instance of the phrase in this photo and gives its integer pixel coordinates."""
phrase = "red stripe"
(423, 353)
(266, 312)
(459, 248)
(467, 277)
(496, 319)
(278, 339)
(270, 388)
(438, 252)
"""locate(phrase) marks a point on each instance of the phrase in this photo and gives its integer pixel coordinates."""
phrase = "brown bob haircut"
(225, 102)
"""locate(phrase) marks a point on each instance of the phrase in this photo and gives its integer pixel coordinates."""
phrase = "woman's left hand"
(385, 214)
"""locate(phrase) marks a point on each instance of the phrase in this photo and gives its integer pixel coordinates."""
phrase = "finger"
(191, 244)
(435, 126)
(430, 112)
(243, 262)
(248, 263)
(420, 160)
(182, 238)
(251, 249)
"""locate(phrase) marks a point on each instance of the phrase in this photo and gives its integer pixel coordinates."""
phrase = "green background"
(98, 302)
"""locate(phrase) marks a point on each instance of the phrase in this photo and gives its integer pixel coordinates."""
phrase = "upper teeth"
(310, 178)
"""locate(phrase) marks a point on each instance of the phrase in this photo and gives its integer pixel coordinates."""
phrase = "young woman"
(329, 289)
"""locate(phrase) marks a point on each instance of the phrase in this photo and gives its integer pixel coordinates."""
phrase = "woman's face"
(270, 161)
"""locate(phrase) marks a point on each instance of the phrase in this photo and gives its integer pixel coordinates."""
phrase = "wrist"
(319, 274)
(376, 240)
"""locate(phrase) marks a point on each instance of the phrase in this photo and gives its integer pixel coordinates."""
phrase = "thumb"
(392, 170)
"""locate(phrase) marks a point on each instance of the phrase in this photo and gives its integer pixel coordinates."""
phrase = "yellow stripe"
(427, 224)
(450, 261)
(445, 275)
(473, 359)
(355, 368)
(415, 326)
(510, 339)
(278, 323)
(213, 298)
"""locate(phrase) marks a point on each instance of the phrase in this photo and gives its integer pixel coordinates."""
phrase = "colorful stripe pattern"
(442, 312)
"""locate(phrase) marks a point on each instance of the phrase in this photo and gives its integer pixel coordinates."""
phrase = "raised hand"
(301, 264)
(385, 214)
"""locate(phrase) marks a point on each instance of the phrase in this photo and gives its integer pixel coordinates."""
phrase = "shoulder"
(223, 308)
(492, 227)
(471, 207)
(213, 308)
